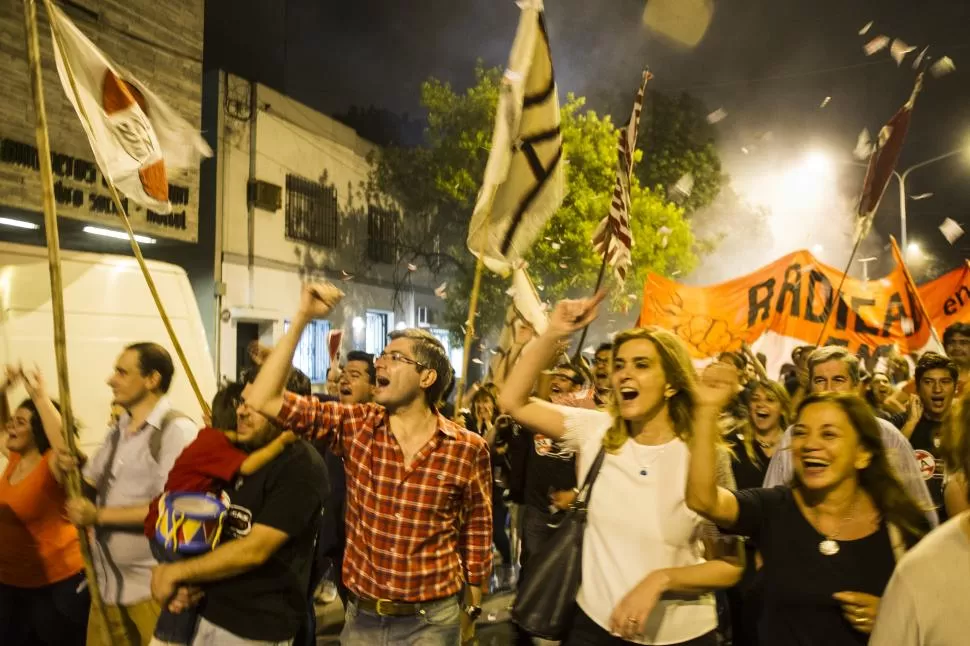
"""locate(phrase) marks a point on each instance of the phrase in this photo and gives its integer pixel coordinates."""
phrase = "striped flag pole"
(614, 237)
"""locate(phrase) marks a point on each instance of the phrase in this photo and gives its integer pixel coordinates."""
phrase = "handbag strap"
(582, 498)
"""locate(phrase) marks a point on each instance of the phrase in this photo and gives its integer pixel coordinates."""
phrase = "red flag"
(334, 337)
(882, 162)
(920, 314)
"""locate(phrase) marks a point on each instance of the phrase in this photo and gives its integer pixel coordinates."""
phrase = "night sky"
(767, 64)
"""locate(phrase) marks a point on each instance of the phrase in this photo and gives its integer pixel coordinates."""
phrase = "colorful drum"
(189, 523)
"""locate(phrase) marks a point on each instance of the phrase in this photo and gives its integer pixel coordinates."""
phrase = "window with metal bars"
(311, 211)
(312, 355)
(382, 232)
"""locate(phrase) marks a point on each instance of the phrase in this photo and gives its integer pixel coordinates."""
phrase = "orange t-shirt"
(38, 546)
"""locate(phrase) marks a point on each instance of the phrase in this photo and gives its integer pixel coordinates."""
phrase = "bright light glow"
(817, 249)
(357, 324)
(913, 249)
(119, 235)
(401, 325)
(818, 163)
(20, 224)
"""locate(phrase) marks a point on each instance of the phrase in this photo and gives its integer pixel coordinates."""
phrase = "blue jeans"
(437, 625)
(173, 628)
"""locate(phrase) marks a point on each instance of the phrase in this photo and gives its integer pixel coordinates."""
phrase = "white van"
(107, 306)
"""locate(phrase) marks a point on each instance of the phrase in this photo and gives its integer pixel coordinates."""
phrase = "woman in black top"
(829, 542)
(769, 412)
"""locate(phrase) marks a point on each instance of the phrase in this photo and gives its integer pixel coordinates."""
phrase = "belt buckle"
(380, 612)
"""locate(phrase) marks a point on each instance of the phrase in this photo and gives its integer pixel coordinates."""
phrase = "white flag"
(135, 136)
(525, 319)
(524, 181)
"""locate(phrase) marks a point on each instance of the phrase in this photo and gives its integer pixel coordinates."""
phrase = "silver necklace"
(645, 468)
(829, 546)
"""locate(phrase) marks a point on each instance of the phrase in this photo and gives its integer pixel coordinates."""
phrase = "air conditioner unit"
(425, 317)
(264, 195)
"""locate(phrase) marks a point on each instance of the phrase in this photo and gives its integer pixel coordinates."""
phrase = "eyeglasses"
(397, 357)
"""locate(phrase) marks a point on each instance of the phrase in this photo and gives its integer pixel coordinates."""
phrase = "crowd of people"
(827, 507)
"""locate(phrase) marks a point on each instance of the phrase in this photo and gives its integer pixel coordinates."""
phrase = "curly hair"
(679, 373)
(878, 478)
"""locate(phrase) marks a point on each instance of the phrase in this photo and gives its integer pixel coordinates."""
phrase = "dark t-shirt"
(799, 581)
(748, 474)
(550, 466)
(206, 465)
(270, 602)
(931, 463)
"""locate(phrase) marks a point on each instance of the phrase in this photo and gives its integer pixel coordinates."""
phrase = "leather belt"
(388, 608)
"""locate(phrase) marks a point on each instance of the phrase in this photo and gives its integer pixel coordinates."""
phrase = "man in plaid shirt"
(419, 509)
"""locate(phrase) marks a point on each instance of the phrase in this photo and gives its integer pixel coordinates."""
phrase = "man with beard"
(601, 371)
(936, 378)
(124, 475)
(833, 369)
(956, 344)
(419, 512)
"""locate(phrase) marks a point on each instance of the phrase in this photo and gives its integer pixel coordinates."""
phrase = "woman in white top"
(645, 577)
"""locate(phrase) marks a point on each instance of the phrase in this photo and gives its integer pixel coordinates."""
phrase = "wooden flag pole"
(599, 284)
(753, 358)
(469, 331)
(57, 295)
(123, 215)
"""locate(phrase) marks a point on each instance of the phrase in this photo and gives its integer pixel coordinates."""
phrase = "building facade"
(292, 204)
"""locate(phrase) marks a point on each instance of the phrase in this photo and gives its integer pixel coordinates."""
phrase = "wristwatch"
(473, 612)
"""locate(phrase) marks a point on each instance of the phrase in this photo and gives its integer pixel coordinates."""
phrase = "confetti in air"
(476, 360)
(921, 196)
(744, 149)
(412, 267)
(951, 230)
(863, 145)
(682, 189)
(441, 290)
(876, 45)
(919, 59)
(865, 29)
(825, 101)
(556, 246)
(942, 67)
(716, 116)
(345, 276)
(899, 49)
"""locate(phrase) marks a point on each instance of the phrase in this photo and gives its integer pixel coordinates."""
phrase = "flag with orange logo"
(947, 298)
(784, 305)
(135, 136)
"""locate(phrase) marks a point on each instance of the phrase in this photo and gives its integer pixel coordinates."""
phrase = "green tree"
(439, 182)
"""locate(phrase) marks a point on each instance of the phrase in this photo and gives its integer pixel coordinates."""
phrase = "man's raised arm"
(265, 394)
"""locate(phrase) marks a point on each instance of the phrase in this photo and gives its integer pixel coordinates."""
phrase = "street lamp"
(901, 179)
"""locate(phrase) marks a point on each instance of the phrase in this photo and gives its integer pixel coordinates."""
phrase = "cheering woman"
(831, 540)
(646, 577)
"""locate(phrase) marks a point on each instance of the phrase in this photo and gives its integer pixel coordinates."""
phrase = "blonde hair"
(778, 391)
(679, 373)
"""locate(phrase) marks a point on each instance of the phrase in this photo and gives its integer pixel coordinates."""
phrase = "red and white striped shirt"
(414, 533)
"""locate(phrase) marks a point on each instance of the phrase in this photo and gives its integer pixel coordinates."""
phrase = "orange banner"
(947, 298)
(785, 304)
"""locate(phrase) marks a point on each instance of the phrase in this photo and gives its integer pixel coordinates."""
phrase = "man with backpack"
(121, 479)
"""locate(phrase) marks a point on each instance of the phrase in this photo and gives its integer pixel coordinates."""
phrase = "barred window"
(382, 231)
(311, 211)
(312, 355)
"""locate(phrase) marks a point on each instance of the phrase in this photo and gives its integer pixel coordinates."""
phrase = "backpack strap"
(114, 438)
(155, 441)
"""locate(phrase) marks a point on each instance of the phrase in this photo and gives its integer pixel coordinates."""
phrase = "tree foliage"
(437, 184)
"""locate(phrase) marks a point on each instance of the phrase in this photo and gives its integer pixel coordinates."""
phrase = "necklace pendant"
(828, 547)
(643, 472)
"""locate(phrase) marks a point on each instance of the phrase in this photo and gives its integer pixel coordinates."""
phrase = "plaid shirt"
(413, 533)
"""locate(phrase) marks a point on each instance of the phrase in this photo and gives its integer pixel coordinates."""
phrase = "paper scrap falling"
(899, 49)
(942, 67)
(921, 196)
(951, 230)
(683, 188)
(441, 291)
(563, 265)
(664, 231)
(589, 350)
(825, 102)
(412, 267)
(477, 360)
(919, 59)
(556, 246)
(863, 145)
(718, 115)
(345, 276)
(745, 150)
(876, 45)
(664, 241)
(865, 29)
